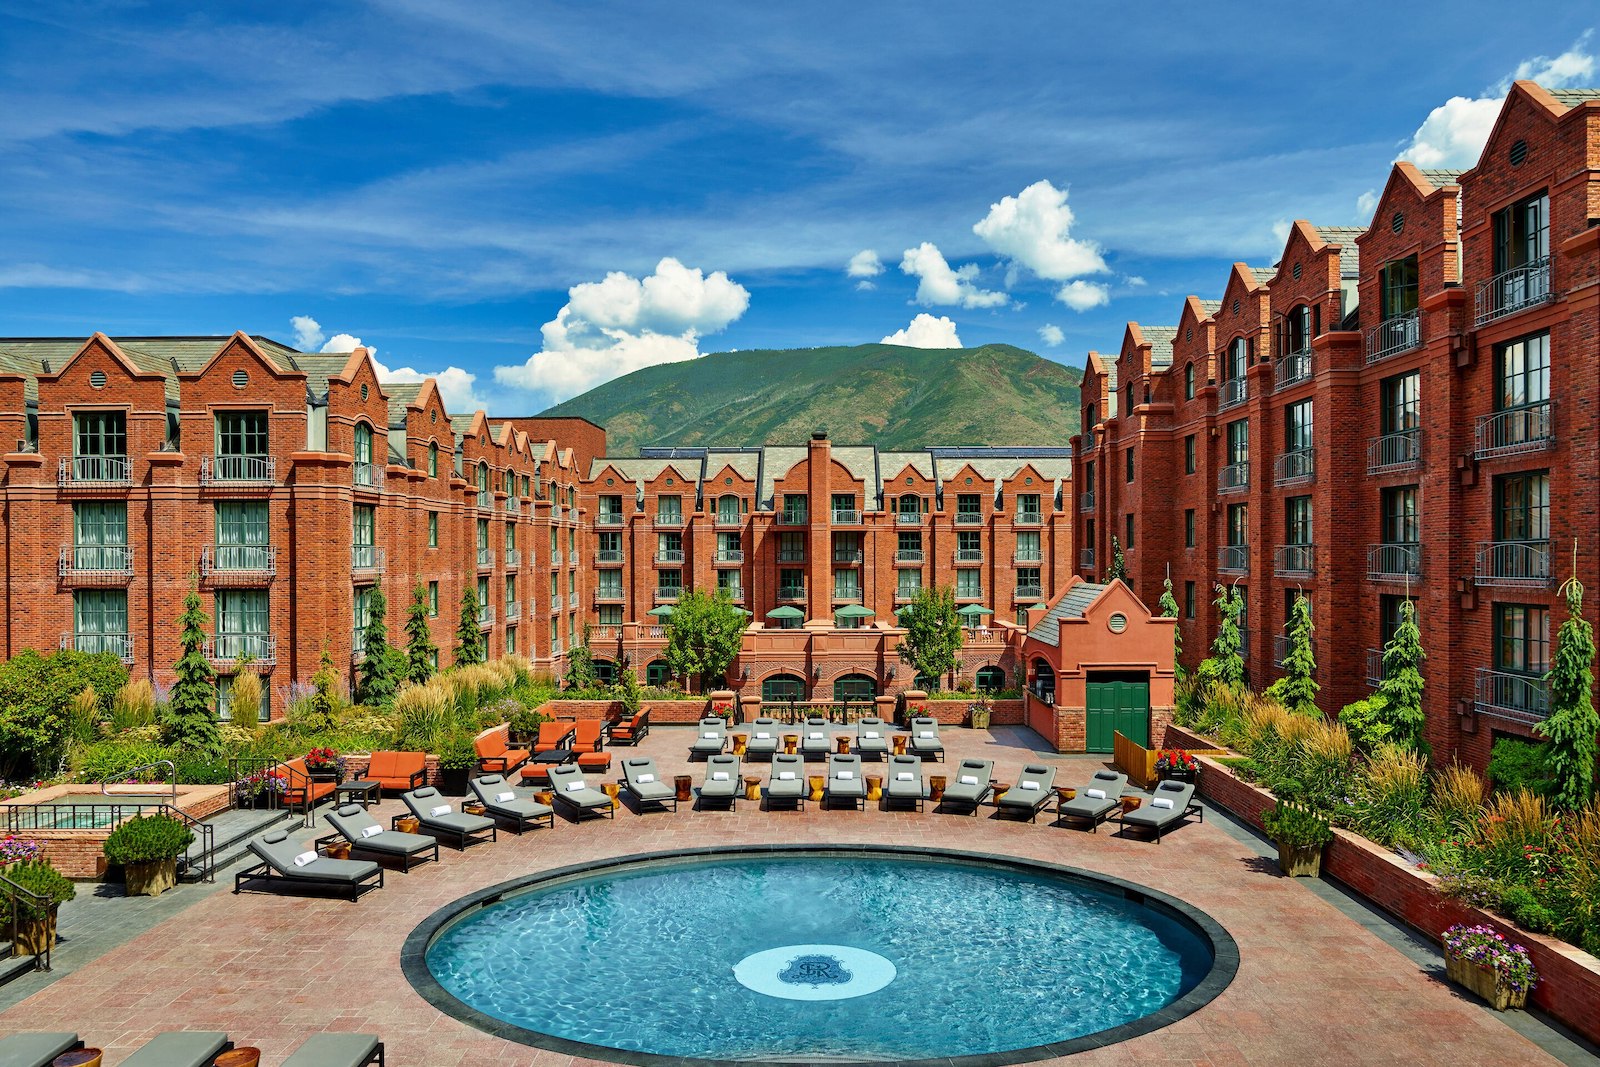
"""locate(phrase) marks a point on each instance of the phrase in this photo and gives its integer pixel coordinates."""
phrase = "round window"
(363, 390)
(1028, 480)
(1519, 152)
(1118, 622)
(240, 379)
(908, 479)
(1398, 223)
(611, 481)
(969, 481)
(97, 379)
(669, 481)
(727, 481)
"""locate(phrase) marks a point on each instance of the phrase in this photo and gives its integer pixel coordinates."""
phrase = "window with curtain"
(243, 535)
(100, 620)
(608, 583)
(969, 582)
(909, 582)
(243, 623)
(100, 535)
(846, 583)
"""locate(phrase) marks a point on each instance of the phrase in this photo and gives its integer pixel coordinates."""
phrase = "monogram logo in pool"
(815, 971)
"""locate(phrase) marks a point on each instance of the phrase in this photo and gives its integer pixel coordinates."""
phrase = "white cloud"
(455, 385)
(925, 331)
(864, 264)
(1081, 295)
(1031, 229)
(1280, 232)
(621, 324)
(1454, 133)
(307, 333)
(1051, 334)
(938, 284)
(344, 342)
(1134, 281)
(1366, 204)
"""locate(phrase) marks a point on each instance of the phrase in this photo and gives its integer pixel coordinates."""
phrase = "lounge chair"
(763, 740)
(553, 735)
(284, 862)
(872, 737)
(722, 780)
(970, 785)
(710, 738)
(589, 738)
(1031, 793)
(643, 782)
(845, 781)
(519, 810)
(337, 1050)
(366, 835)
(1173, 801)
(577, 794)
(631, 731)
(496, 754)
(814, 738)
(905, 782)
(180, 1048)
(439, 818)
(35, 1049)
(788, 781)
(925, 740)
(1086, 807)
(397, 772)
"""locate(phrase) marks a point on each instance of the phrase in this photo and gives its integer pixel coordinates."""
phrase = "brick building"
(285, 485)
(1404, 410)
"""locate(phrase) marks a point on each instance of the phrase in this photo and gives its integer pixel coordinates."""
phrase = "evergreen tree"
(469, 635)
(628, 688)
(420, 649)
(932, 642)
(191, 718)
(1225, 665)
(1393, 713)
(1119, 566)
(580, 665)
(1169, 609)
(1572, 722)
(704, 633)
(377, 680)
(1297, 689)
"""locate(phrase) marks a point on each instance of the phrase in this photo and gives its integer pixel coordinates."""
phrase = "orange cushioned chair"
(630, 731)
(497, 757)
(303, 791)
(589, 739)
(553, 735)
(398, 772)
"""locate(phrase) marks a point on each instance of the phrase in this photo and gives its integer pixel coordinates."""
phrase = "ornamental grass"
(1458, 794)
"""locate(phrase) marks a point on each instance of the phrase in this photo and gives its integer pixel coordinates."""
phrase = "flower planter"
(453, 781)
(978, 717)
(1483, 980)
(1300, 861)
(151, 879)
(34, 936)
(1180, 774)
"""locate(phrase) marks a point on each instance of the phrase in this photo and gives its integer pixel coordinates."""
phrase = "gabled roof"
(1072, 605)
(1440, 178)
(1159, 338)
(1574, 97)
(1349, 253)
(401, 396)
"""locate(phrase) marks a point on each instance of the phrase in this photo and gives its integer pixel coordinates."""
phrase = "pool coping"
(1224, 967)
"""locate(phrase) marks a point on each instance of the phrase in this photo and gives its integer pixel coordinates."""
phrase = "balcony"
(513, 505)
(609, 518)
(791, 555)
(94, 471)
(846, 517)
(669, 521)
(1086, 501)
(908, 555)
(485, 499)
(1292, 369)
(908, 518)
(734, 593)
(1514, 431)
(1234, 478)
(608, 557)
(485, 558)
(847, 596)
(119, 645)
(1394, 562)
(906, 595)
(669, 555)
(608, 596)
(730, 555)
(1511, 291)
(555, 603)
(1394, 336)
(1028, 518)
(605, 633)
(969, 555)
(555, 559)
(1294, 561)
(1514, 564)
(847, 555)
(486, 616)
(260, 649)
(1234, 559)
(1374, 667)
(1281, 646)
(367, 475)
(513, 610)
(1028, 592)
(791, 593)
(238, 470)
(238, 561)
(1397, 451)
(1294, 467)
(1232, 393)
(1025, 557)
(792, 518)
(729, 520)
(368, 559)
(555, 513)
(92, 564)
(1520, 698)
(668, 594)
(1086, 559)
(513, 559)
(969, 518)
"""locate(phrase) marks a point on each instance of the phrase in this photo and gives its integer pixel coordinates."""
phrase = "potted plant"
(977, 715)
(1178, 765)
(1300, 833)
(257, 789)
(17, 850)
(524, 723)
(147, 848)
(325, 763)
(1482, 960)
(35, 931)
(457, 757)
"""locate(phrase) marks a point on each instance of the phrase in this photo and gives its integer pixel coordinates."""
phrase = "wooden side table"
(337, 850)
(999, 790)
(897, 744)
(936, 784)
(544, 796)
(407, 824)
(842, 744)
(685, 786)
(816, 782)
(874, 787)
(740, 743)
(752, 787)
(239, 1057)
(79, 1057)
(790, 743)
(473, 808)
(1131, 804)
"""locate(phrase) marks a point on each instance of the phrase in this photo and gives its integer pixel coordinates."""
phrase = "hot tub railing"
(31, 818)
(19, 899)
(131, 775)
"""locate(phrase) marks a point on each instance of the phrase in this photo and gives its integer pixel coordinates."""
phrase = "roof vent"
(819, 435)
(1296, 272)
(1519, 152)
(241, 378)
(363, 390)
(97, 379)
(1398, 223)
(1236, 307)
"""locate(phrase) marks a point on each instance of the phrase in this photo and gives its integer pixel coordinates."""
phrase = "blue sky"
(529, 199)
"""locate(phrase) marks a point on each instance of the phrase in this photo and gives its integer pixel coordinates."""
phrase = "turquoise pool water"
(808, 957)
(80, 811)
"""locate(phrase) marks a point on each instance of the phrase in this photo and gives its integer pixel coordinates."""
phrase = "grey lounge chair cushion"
(637, 769)
(518, 809)
(969, 792)
(1181, 795)
(586, 798)
(521, 806)
(278, 852)
(918, 743)
(853, 786)
(1082, 807)
(183, 1048)
(913, 788)
(763, 746)
(716, 789)
(866, 743)
(1042, 777)
(352, 819)
(458, 823)
(729, 785)
(791, 788)
(334, 1050)
(35, 1049)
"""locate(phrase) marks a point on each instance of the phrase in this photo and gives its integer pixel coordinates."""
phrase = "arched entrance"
(991, 679)
(782, 688)
(1044, 681)
(853, 687)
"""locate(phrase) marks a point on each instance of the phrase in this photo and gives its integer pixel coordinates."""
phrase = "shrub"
(1518, 766)
(456, 752)
(1295, 825)
(36, 694)
(1511, 842)
(147, 839)
(246, 706)
(526, 721)
(41, 879)
(1389, 796)
(1519, 903)
(133, 705)
(103, 759)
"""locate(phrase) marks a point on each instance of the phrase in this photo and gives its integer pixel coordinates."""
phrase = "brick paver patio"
(1313, 985)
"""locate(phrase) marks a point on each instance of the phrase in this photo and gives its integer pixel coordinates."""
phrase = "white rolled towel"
(904, 776)
(305, 858)
(968, 779)
(785, 776)
(646, 779)
(371, 831)
(716, 776)
(1161, 802)
(438, 810)
(1098, 794)
(576, 787)
(1028, 784)
(506, 797)
(709, 736)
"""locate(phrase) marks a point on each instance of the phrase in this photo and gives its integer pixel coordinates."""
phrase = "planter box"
(1483, 981)
(32, 937)
(1300, 861)
(151, 879)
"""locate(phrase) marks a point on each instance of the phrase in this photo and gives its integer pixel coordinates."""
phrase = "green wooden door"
(1117, 706)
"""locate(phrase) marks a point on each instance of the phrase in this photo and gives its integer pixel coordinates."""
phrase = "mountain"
(886, 395)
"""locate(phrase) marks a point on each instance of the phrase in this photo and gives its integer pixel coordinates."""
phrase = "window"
(609, 510)
(1523, 371)
(1091, 415)
(969, 582)
(1297, 520)
(1028, 507)
(728, 509)
(1297, 427)
(908, 583)
(1028, 546)
(1522, 507)
(1188, 600)
(670, 579)
(969, 546)
(1088, 474)
(511, 640)
(1238, 525)
(1238, 434)
(483, 597)
(1233, 367)
(846, 583)
(242, 535)
(847, 548)
(610, 548)
(1188, 454)
(794, 509)
(969, 507)
(1522, 639)
(669, 509)
(1129, 408)
(728, 550)
(608, 584)
(669, 548)
(791, 584)
(1401, 403)
(1127, 533)
(1389, 616)
(363, 456)
(610, 614)
(855, 687)
(1188, 381)
(912, 506)
(844, 507)
(1297, 330)
(1401, 524)
(1522, 234)
(100, 435)
(433, 529)
(1188, 528)
(100, 621)
(1398, 287)
(484, 555)
(433, 600)
(100, 535)
(242, 624)
(791, 548)
(729, 581)
(241, 434)
(657, 673)
(1128, 465)
(781, 689)
(511, 592)
(433, 460)
(511, 541)
(1028, 582)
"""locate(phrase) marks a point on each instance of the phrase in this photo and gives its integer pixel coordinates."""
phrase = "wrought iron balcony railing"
(1394, 562)
(485, 558)
(1521, 698)
(238, 559)
(1292, 368)
(368, 475)
(908, 555)
(1232, 393)
(608, 555)
(227, 648)
(1294, 560)
(1513, 563)
(112, 562)
(730, 555)
(238, 470)
(119, 645)
(908, 518)
(1086, 501)
(368, 558)
(669, 555)
(1234, 559)
(1294, 467)
(1511, 291)
(1234, 477)
(94, 471)
(846, 517)
(969, 555)
(1394, 336)
(1401, 450)
(969, 518)
(1529, 428)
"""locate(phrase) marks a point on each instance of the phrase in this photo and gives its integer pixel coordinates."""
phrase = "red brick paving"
(1313, 986)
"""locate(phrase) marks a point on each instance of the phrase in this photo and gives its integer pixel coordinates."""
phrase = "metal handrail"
(113, 561)
(1233, 558)
(1526, 428)
(1233, 392)
(15, 894)
(1233, 477)
(206, 832)
(119, 645)
(241, 469)
(908, 555)
(730, 555)
(1297, 465)
(172, 778)
(238, 559)
(1394, 451)
(95, 470)
(1394, 560)
(1086, 501)
(1292, 368)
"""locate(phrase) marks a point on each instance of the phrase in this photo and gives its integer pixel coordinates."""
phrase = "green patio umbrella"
(786, 612)
(660, 611)
(1038, 607)
(903, 608)
(972, 611)
(855, 611)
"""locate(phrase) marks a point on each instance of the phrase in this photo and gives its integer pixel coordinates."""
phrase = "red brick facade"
(1470, 486)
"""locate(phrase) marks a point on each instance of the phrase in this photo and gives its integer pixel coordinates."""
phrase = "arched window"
(991, 679)
(657, 673)
(728, 509)
(433, 459)
(1044, 681)
(855, 687)
(782, 688)
(1238, 359)
(605, 671)
(363, 454)
(926, 682)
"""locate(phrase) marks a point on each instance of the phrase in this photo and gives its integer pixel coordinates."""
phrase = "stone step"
(231, 834)
(13, 966)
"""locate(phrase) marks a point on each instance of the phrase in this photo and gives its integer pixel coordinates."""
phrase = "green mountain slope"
(886, 395)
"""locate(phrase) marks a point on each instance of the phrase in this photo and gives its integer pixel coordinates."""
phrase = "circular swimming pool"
(834, 954)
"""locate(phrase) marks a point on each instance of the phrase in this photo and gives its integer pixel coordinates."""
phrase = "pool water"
(963, 959)
(89, 811)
